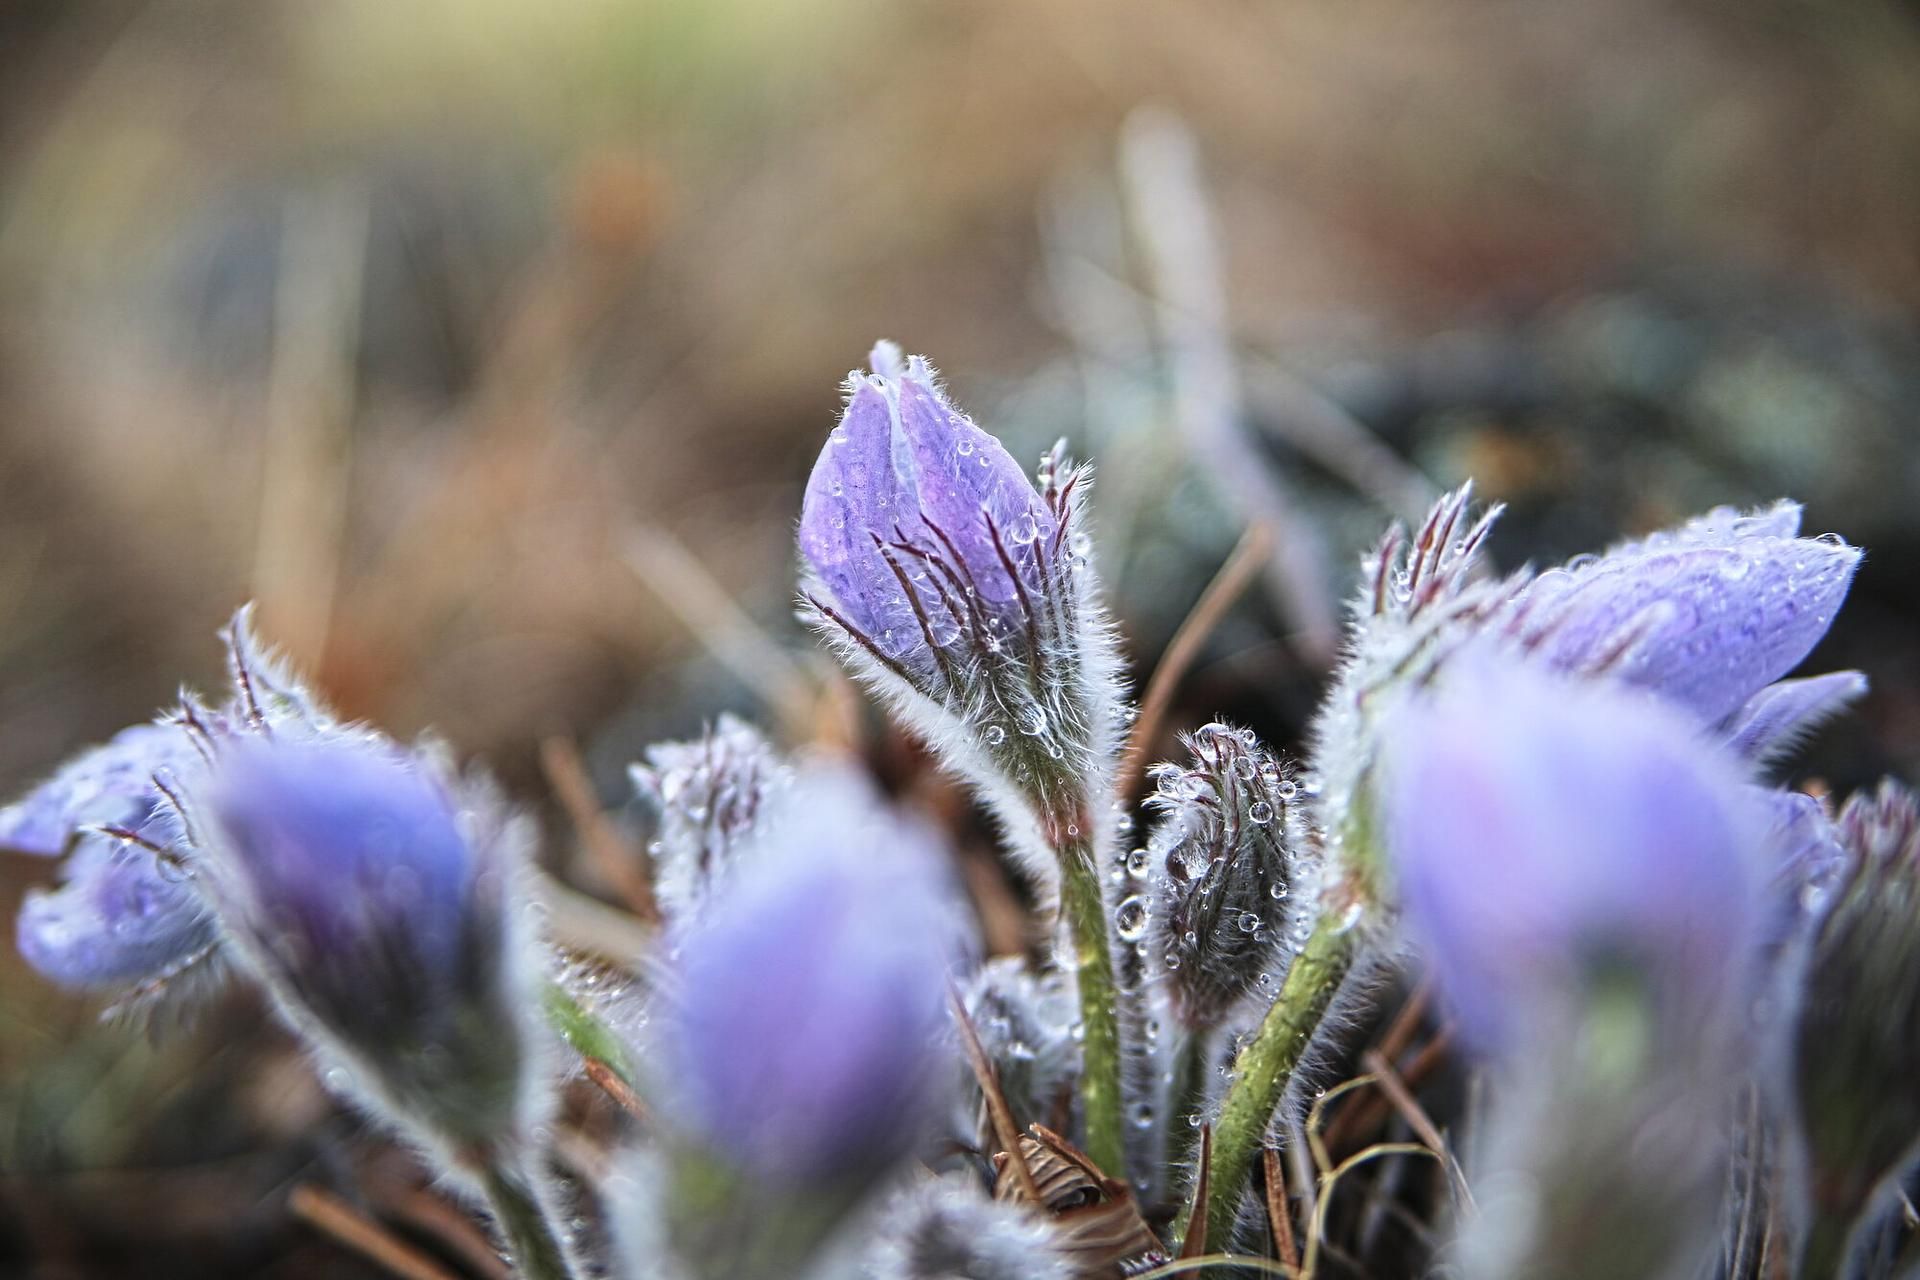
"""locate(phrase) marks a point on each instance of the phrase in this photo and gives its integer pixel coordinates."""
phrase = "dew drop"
(1260, 812)
(1131, 919)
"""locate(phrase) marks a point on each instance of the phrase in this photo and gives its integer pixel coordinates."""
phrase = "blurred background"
(488, 345)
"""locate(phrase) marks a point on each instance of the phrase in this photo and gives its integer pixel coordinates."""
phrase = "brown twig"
(1227, 585)
(454, 1228)
(614, 1087)
(1279, 1210)
(334, 1217)
(1005, 1130)
(612, 853)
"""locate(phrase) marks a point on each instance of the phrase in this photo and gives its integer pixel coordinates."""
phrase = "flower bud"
(1857, 1047)
(964, 595)
(711, 795)
(1226, 859)
(1548, 834)
(801, 1043)
(370, 892)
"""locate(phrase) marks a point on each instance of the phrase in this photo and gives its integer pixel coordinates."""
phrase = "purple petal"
(1706, 615)
(110, 785)
(119, 918)
(906, 480)
(1775, 720)
(1537, 823)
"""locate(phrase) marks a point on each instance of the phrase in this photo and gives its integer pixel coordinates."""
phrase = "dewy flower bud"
(801, 1043)
(1226, 860)
(1857, 1052)
(1547, 834)
(1025, 1022)
(958, 590)
(1706, 615)
(369, 890)
(711, 795)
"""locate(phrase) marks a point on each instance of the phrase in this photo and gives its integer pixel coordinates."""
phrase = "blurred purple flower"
(803, 1043)
(918, 527)
(1706, 615)
(1546, 831)
(368, 891)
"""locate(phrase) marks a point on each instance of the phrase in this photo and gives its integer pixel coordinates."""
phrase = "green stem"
(1826, 1246)
(1188, 1095)
(1261, 1072)
(531, 1240)
(1086, 912)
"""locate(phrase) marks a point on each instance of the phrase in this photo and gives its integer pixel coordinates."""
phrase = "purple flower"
(1706, 615)
(1548, 832)
(368, 890)
(802, 1044)
(921, 531)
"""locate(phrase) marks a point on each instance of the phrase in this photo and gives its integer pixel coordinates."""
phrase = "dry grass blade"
(1415, 1115)
(334, 1217)
(427, 1212)
(1005, 1130)
(1380, 1150)
(1227, 586)
(1279, 1211)
(1246, 1262)
(713, 617)
(617, 859)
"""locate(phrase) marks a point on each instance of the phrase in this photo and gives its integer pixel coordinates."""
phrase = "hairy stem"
(1188, 1096)
(531, 1239)
(1261, 1072)
(1086, 912)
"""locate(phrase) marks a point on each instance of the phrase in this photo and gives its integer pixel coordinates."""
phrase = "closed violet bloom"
(799, 1049)
(962, 593)
(804, 1040)
(1547, 832)
(367, 888)
(965, 598)
(1585, 874)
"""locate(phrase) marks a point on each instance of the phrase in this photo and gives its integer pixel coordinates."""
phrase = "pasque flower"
(121, 916)
(1547, 833)
(1585, 873)
(963, 593)
(371, 890)
(802, 1042)
(964, 597)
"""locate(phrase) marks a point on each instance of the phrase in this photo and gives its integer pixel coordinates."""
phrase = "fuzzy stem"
(1085, 908)
(1188, 1096)
(531, 1239)
(1261, 1072)
(1827, 1245)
